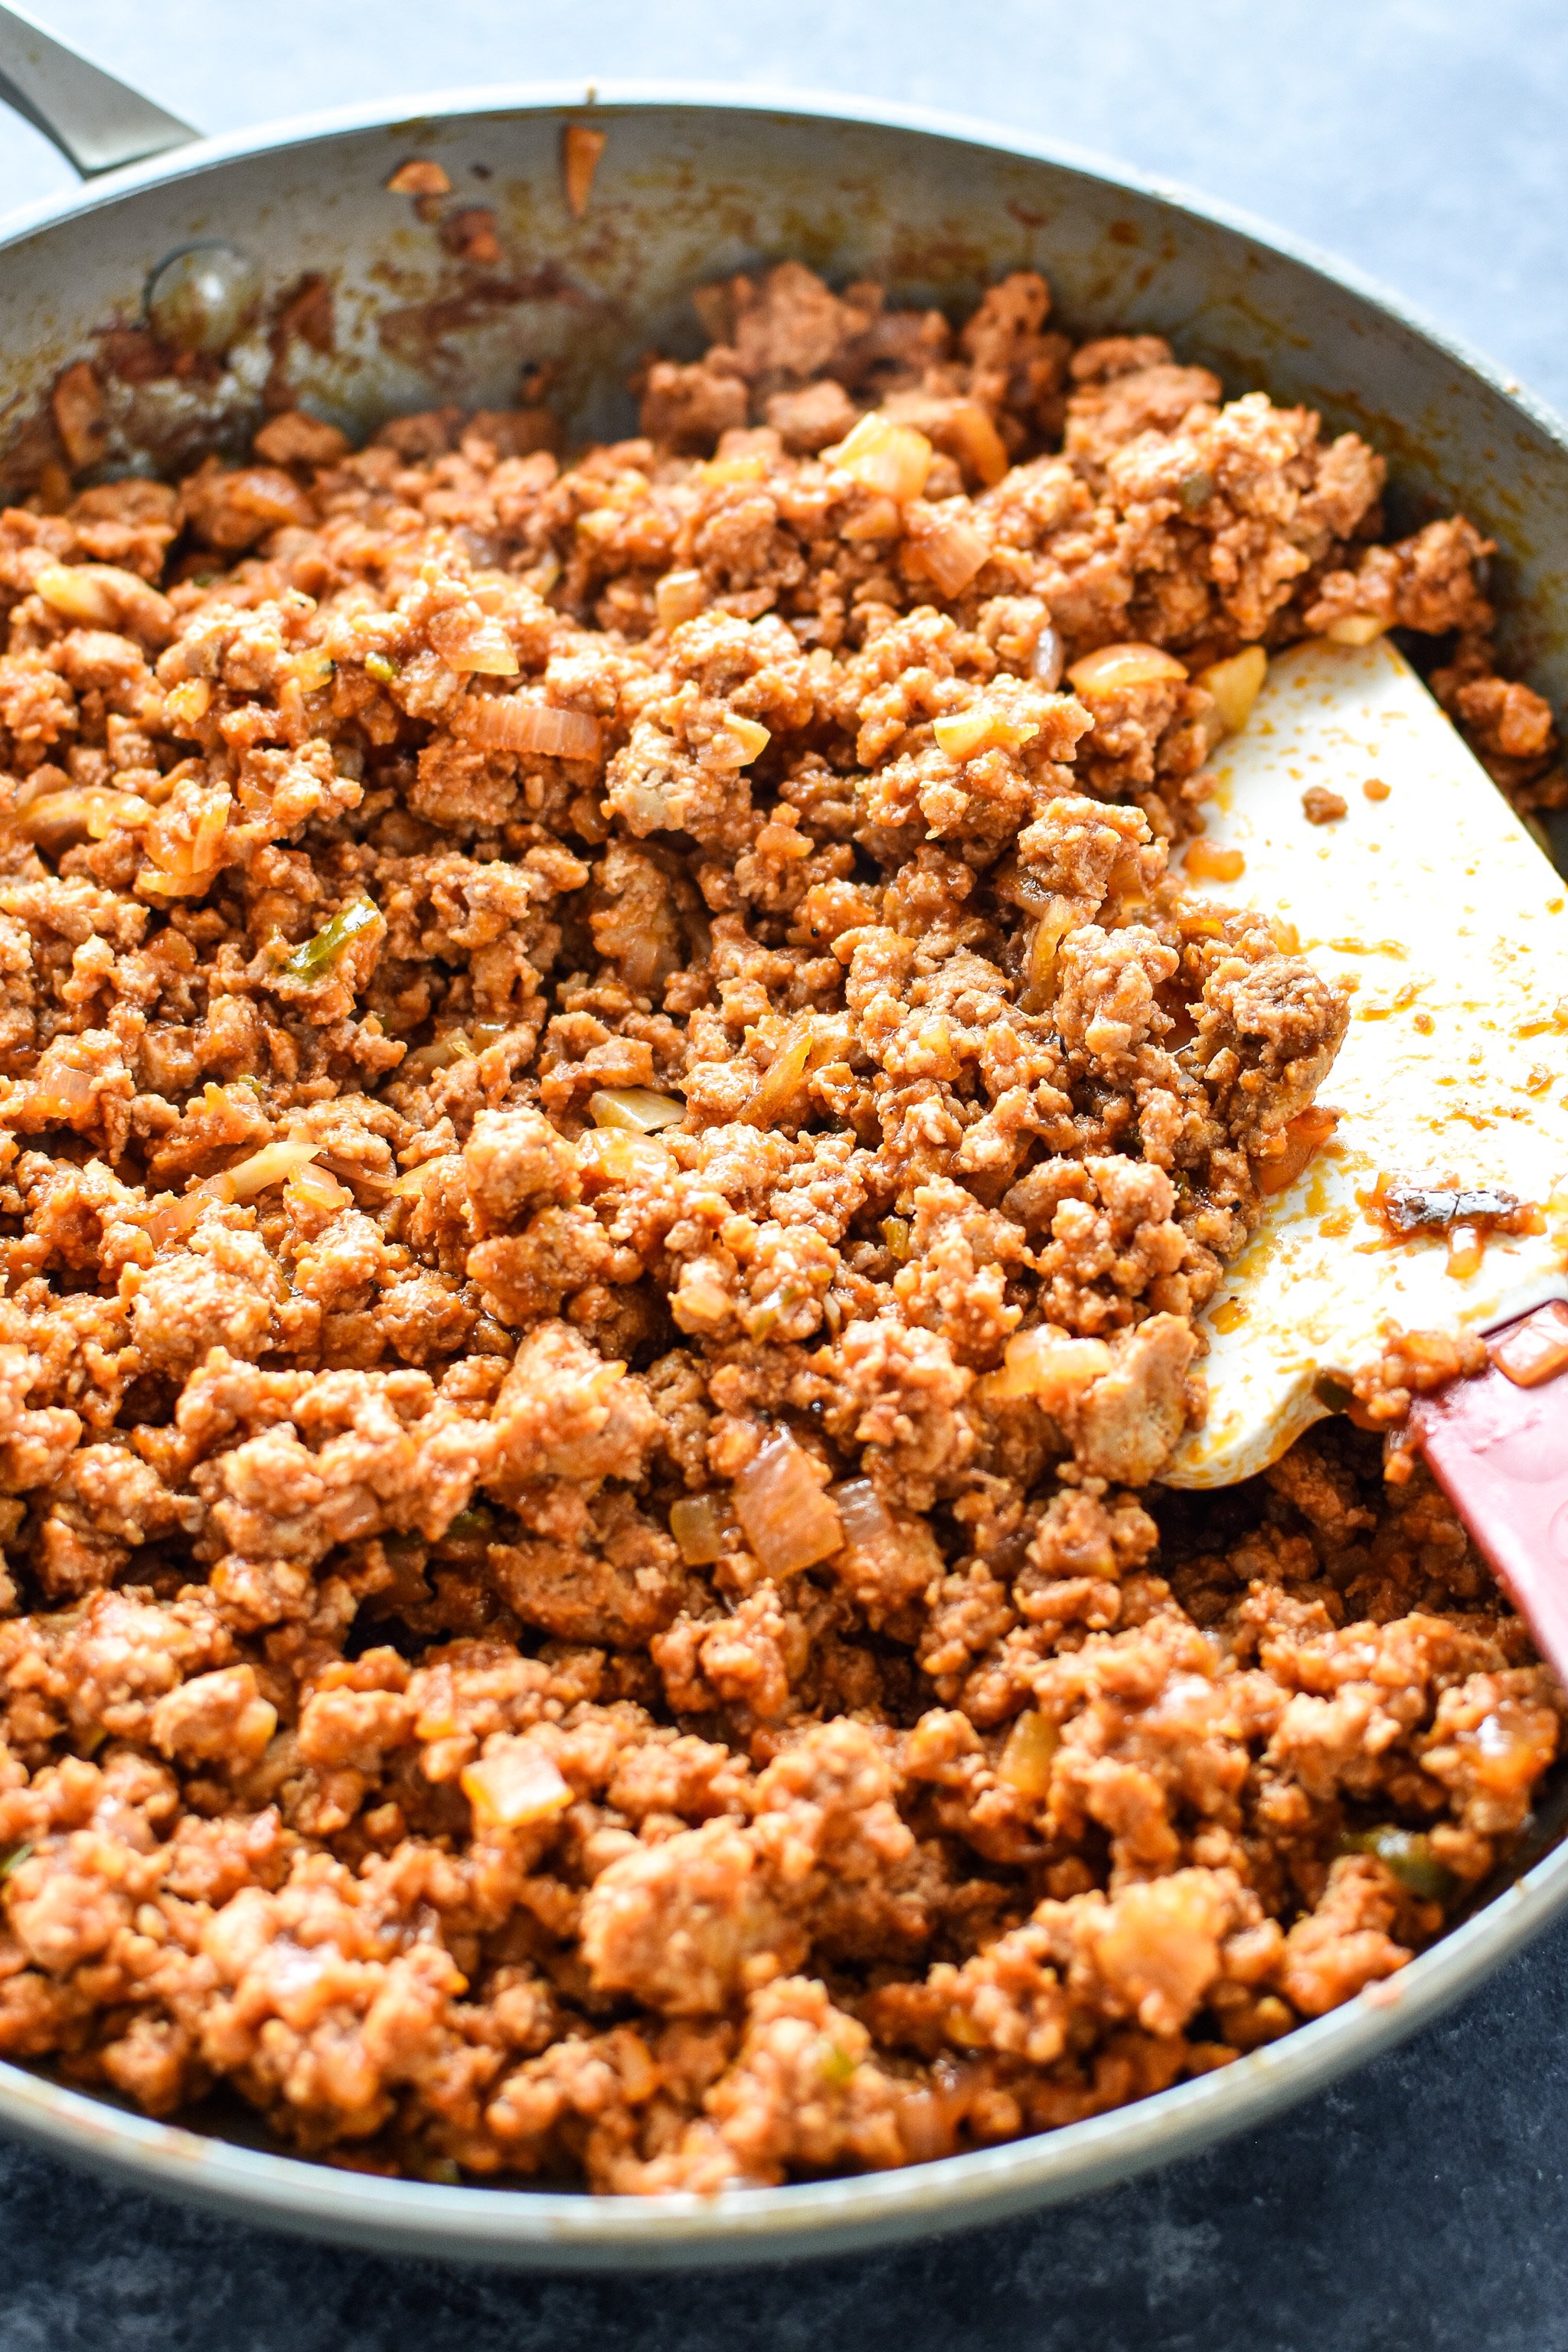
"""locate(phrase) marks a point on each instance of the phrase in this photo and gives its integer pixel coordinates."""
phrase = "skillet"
(354, 296)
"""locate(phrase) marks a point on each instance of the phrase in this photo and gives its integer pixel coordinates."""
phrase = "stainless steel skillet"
(368, 315)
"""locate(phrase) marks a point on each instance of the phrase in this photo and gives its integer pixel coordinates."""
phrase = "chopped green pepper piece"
(477, 1521)
(319, 955)
(1406, 1855)
(381, 667)
(14, 1860)
(837, 2066)
(763, 1317)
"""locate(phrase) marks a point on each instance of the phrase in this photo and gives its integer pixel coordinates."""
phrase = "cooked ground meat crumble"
(614, 1127)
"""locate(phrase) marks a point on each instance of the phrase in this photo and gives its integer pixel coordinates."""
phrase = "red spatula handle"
(1500, 1451)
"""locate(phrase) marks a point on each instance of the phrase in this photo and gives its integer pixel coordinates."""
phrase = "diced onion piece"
(581, 148)
(439, 1055)
(866, 1518)
(952, 550)
(546, 730)
(740, 741)
(410, 1186)
(207, 839)
(1508, 1748)
(891, 459)
(762, 1319)
(704, 1528)
(1355, 629)
(1047, 1365)
(83, 812)
(185, 704)
(1026, 1761)
(270, 495)
(501, 722)
(896, 1235)
(617, 1155)
(273, 1164)
(1304, 1135)
(488, 652)
(781, 1080)
(1206, 861)
(638, 1109)
(419, 177)
(720, 470)
(1235, 685)
(879, 520)
(513, 1784)
(102, 596)
(310, 1187)
(1041, 972)
(61, 1086)
(369, 1185)
(180, 868)
(313, 669)
(1049, 656)
(126, 811)
(980, 447)
(1127, 885)
(78, 593)
(789, 1523)
(679, 596)
(1114, 668)
(983, 728)
(173, 1219)
(889, 1557)
(495, 722)
(471, 641)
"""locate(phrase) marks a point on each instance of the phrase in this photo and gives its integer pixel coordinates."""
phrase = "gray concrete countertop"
(1419, 2207)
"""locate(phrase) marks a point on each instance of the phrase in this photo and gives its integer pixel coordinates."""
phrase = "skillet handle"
(94, 120)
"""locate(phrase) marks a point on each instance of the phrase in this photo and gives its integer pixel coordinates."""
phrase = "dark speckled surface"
(1421, 2206)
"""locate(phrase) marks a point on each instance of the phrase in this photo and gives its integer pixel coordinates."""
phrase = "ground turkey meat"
(612, 1130)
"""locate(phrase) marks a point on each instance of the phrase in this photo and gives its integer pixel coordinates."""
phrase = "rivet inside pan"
(198, 300)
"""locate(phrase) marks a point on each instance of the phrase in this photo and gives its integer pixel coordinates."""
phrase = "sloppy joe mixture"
(617, 1112)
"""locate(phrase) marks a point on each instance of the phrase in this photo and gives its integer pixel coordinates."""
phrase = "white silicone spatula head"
(1430, 902)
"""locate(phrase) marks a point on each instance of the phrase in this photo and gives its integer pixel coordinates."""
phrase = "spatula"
(1431, 902)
